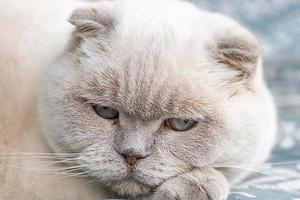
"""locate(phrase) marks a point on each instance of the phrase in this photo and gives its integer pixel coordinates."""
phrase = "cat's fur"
(154, 60)
(32, 33)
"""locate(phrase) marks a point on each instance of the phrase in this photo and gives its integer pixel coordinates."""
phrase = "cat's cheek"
(196, 148)
(85, 129)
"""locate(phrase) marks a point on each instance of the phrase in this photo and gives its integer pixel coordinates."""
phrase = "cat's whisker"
(55, 174)
(36, 153)
(70, 53)
(267, 164)
(65, 175)
(62, 161)
(43, 159)
(32, 156)
(192, 179)
(281, 163)
(78, 168)
(93, 181)
(248, 168)
(256, 171)
(197, 183)
(77, 171)
(39, 169)
(62, 175)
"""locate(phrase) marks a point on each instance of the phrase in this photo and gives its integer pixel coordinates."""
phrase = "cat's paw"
(207, 184)
(175, 190)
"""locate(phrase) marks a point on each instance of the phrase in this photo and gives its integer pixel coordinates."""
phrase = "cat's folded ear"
(91, 22)
(238, 50)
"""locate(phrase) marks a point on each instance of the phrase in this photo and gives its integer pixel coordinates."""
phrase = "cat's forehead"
(148, 85)
(149, 65)
(146, 72)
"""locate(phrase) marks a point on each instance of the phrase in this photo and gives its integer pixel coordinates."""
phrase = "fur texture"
(151, 61)
(32, 34)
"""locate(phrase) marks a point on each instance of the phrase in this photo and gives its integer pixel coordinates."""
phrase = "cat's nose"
(131, 158)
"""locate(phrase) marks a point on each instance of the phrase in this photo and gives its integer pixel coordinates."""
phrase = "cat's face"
(137, 107)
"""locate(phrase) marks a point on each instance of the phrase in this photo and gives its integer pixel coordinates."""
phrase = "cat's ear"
(239, 51)
(91, 22)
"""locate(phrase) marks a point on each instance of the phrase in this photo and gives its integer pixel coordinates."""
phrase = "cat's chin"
(130, 187)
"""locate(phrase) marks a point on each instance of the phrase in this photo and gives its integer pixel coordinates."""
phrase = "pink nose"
(131, 158)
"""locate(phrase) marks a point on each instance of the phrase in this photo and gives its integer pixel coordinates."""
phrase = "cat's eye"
(180, 124)
(106, 112)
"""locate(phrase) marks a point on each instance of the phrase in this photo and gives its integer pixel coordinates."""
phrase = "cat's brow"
(151, 108)
(147, 96)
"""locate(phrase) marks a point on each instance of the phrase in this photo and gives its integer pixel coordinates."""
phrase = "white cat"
(156, 99)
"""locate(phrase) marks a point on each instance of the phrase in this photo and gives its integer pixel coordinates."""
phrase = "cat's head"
(142, 95)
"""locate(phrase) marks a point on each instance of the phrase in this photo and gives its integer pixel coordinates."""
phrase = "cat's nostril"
(132, 158)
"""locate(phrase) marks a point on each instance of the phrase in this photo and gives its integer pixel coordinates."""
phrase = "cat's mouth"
(133, 176)
(131, 187)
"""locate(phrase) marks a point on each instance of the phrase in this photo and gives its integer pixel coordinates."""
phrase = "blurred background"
(276, 23)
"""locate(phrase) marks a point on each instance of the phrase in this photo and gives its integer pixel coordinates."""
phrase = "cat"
(155, 100)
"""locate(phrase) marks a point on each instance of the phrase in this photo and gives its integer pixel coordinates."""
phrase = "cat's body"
(151, 62)
(32, 33)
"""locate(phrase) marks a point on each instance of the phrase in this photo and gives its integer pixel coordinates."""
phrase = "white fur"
(178, 33)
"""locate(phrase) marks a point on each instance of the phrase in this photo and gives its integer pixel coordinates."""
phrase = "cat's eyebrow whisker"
(84, 104)
(77, 90)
